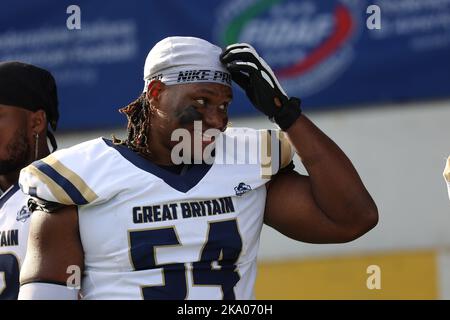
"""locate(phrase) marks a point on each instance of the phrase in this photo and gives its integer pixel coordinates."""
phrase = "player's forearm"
(336, 185)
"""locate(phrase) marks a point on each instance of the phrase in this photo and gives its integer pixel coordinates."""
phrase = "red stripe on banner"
(344, 26)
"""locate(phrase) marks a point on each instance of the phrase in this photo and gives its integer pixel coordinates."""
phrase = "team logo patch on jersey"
(23, 214)
(242, 188)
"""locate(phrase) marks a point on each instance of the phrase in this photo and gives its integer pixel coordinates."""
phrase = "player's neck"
(43, 151)
(158, 153)
(158, 158)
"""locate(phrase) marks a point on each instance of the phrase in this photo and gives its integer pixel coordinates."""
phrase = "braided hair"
(138, 114)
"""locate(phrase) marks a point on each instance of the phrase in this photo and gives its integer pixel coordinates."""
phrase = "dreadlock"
(138, 115)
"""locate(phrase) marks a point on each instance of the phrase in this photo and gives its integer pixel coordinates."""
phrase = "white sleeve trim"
(46, 291)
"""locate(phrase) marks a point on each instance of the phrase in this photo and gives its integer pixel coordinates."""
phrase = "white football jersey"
(14, 218)
(148, 233)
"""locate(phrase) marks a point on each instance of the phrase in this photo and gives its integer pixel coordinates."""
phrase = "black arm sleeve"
(289, 167)
(36, 204)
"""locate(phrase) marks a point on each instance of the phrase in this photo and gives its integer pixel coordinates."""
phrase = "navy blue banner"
(322, 51)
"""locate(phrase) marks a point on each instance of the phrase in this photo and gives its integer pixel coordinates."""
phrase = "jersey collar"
(8, 194)
(182, 183)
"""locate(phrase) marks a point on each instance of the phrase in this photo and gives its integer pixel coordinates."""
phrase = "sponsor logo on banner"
(309, 44)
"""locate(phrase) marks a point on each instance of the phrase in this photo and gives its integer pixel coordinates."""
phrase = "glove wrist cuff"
(288, 113)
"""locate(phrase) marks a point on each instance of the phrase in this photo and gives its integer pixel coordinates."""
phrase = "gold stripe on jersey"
(75, 179)
(58, 192)
(265, 152)
(275, 152)
(447, 170)
(285, 149)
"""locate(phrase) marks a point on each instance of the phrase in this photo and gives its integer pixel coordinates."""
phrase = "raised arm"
(331, 204)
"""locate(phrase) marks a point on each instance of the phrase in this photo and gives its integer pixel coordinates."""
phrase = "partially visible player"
(28, 103)
(446, 174)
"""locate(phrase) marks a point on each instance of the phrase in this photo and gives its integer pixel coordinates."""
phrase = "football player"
(28, 103)
(139, 223)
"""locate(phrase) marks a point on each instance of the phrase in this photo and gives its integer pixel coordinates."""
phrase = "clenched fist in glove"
(257, 79)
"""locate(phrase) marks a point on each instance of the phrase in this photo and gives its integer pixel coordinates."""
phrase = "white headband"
(177, 60)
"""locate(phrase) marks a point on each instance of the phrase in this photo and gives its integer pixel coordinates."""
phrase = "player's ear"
(154, 90)
(38, 122)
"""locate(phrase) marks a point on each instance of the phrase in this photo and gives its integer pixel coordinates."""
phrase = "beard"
(19, 155)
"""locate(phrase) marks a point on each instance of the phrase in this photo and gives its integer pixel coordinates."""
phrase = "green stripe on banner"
(232, 32)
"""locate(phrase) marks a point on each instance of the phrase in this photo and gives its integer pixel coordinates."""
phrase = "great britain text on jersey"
(9, 238)
(191, 209)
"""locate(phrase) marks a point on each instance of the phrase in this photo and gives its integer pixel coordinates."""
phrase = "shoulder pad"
(67, 176)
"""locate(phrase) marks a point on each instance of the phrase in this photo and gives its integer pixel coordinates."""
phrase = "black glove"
(257, 79)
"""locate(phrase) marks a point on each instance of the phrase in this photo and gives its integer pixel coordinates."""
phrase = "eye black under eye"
(188, 115)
